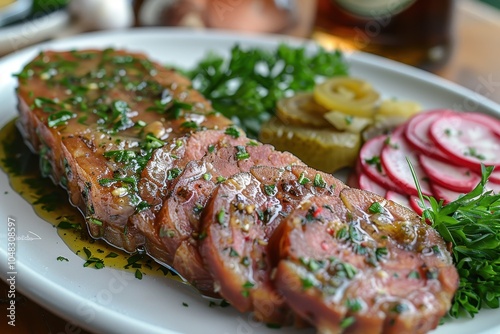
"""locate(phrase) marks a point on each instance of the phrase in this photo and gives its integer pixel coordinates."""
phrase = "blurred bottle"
(416, 32)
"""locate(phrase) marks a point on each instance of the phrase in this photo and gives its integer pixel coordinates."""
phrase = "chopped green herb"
(173, 173)
(59, 118)
(248, 285)
(342, 233)
(472, 152)
(376, 207)
(318, 181)
(91, 260)
(138, 274)
(375, 160)
(270, 189)
(232, 131)
(62, 258)
(346, 322)
(414, 274)
(307, 283)
(245, 261)
(381, 253)
(252, 143)
(94, 221)
(143, 205)
(233, 253)
(190, 125)
(221, 217)
(400, 308)
(354, 305)
(303, 179)
(242, 154)
(66, 225)
(42, 101)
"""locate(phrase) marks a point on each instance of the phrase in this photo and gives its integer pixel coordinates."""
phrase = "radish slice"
(394, 156)
(365, 183)
(491, 122)
(399, 198)
(417, 133)
(460, 179)
(371, 165)
(495, 176)
(447, 195)
(493, 186)
(415, 204)
(467, 141)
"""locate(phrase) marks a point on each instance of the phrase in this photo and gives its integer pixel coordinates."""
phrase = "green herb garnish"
(471, 224)
(246, 87)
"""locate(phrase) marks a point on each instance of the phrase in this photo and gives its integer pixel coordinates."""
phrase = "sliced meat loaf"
(167, 162)
(95, 118)
(238, 221)
(362, 264)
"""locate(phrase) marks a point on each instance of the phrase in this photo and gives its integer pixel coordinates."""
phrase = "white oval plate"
(113, 301)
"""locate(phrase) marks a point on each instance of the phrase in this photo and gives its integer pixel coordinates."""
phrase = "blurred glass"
(416, 32)
(291, 17)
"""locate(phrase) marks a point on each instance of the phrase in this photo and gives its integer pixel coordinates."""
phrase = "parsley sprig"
(471, 224)
(246, 87)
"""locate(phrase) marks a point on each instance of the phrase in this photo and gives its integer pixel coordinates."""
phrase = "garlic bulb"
(102, 14)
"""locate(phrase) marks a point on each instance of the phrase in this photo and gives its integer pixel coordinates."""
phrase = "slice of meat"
(95, 117)
(237, 223)
(168, 161)
(176, 229)
(363, 264)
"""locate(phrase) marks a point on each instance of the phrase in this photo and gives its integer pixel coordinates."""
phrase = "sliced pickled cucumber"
(352, 96)
(325, 149)
(345, 122)
(301, 109)
(398, 108)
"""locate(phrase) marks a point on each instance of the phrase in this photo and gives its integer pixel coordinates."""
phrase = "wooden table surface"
(474, 64)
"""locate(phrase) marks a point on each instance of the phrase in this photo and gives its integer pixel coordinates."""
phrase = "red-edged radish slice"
(468, 142)
(447, 195)
(393, 158)
(371, 165)
(460, 179)
(415, 204)
(365, 183)
(493, 186)
(417, 133)
(492, 122)
(495, 176)
(398, 198)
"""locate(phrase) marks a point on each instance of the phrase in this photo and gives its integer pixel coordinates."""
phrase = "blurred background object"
(34, 21)
(90, 15)
(291, 17)
(12, 10)
(415, 32)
